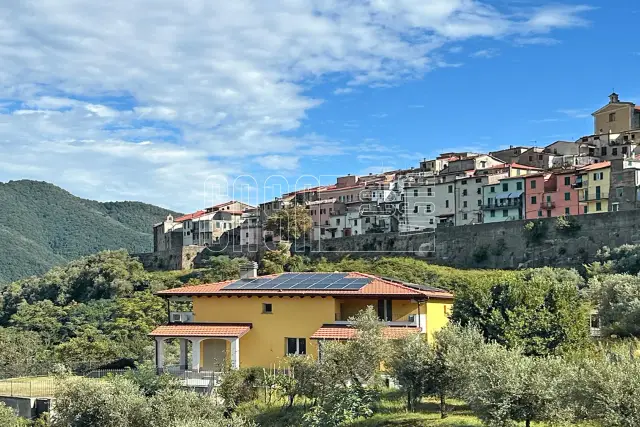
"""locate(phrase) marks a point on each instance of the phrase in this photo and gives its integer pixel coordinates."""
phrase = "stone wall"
(504, 245)
(182, 258)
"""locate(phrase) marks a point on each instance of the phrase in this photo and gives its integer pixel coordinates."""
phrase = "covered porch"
(204, 347)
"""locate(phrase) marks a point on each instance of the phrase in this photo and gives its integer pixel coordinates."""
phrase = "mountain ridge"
(42, 225)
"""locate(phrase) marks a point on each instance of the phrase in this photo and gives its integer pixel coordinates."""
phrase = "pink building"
(551, 195)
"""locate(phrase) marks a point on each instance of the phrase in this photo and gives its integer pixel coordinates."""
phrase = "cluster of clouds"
(140, 99)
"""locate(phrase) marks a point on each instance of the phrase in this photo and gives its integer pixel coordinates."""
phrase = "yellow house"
(593, 184)
(257, 321)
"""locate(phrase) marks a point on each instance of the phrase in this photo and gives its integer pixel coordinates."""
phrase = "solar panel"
(300, 281)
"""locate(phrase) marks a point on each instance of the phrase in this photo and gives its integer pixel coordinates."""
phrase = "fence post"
(30, 383)
(11, 382)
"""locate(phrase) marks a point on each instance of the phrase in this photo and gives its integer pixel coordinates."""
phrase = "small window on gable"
(267, 308)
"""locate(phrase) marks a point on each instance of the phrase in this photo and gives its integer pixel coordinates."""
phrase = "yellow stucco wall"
(438, 312)
(604, 184)
(264, 344)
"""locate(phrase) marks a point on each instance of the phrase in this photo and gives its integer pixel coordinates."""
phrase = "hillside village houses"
(596, 173)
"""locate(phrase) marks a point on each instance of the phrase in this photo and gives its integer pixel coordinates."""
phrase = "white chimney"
(249, 270)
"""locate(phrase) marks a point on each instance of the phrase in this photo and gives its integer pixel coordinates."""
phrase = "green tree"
(42, 317)
(608, 391)
(290, 223)
(8, 417)
(506, 387)
(624, 259)
(540, 311)
(274, 261)
(22, 353)
(617, 298)
(411, 365)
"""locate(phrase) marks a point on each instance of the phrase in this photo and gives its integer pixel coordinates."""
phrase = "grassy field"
(29, 387)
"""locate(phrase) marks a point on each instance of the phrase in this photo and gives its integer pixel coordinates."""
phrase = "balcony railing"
(593, 197)
(548, 205)
(515, 203)
(408, 320)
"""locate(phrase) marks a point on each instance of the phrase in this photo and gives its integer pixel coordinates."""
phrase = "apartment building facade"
(625, 185)
(593, 183)
(504, 201)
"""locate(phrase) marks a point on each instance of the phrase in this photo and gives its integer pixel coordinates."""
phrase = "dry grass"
(29, 386)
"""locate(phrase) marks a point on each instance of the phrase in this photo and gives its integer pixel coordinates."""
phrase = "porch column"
(183, 354)
(195, 354)
(235, 353)
(159, 353)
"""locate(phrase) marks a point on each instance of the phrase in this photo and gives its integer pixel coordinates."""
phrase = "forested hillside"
(42, 225)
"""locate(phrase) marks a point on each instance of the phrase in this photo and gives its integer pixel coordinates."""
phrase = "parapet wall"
(498, 245)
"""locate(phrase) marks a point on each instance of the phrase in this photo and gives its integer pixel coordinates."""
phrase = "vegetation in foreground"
(101, 308)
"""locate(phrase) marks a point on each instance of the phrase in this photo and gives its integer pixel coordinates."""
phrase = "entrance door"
(214, 355)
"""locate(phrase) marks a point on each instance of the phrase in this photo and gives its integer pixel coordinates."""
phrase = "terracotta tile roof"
(376, 287)
(335, 332)
(201, 330)
(190, 216)
(595, 166)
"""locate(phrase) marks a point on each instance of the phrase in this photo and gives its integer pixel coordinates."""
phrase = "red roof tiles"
(595, 166)
(333, 332)
(190, 216)
(376, 287)
(201, 330)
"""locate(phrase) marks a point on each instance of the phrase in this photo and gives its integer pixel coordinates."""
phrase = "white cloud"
(343, 91)
(576, 113)
(206, 84)
(485, 53)
(547, 41)
(276, 162)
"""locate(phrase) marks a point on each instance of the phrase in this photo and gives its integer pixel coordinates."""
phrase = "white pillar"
(235, 353)
(195, 354)
(159, 353)
(183, 354)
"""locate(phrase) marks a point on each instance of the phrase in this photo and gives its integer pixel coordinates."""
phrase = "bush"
(567, 225)
(8, 417)
(535, 231)
(239, 386)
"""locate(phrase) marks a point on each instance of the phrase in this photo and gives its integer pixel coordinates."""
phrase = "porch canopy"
(347, 332)
(196, 333)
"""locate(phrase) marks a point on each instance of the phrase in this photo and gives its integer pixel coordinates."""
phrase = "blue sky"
(169, 104)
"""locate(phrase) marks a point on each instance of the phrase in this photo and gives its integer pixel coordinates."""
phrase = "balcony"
(548, 205)
(513, 203)
(593, 197)
(410, 320)
(580, 184)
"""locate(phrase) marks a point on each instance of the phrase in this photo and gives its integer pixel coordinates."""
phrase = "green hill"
(42, 225)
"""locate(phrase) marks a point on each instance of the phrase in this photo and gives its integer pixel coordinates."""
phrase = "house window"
(464, 182)
(533, 184)
(624, 150)
(451, 189)
(428, 208)
(567, 180)
(534, 200)
(531, 158)
(505, 186)
(478, 180)
(464, 204)
(384, 310)
(505, 213)
(614, 151)
(603, 151)
(322, 231)
(415, 209)
(586, 209)
(479, 202)
(518, 186)
(598, 207)
(415, 193)
(464, 216)
(429, 192)
(567, 196)
(493, 214)
(479, 191)
(247, 235)
(615, 207)
(567, 211)
(296, 346)
(337, 221)
(367, 220)
(620, 191)
(540, 156)
(612, 117)
(539, 213)
(493, 189)
(355, 222)
(446, 203)
(483, 164)
(267, 308)
(464, 192)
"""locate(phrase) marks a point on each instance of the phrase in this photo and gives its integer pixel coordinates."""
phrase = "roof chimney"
(249, 270)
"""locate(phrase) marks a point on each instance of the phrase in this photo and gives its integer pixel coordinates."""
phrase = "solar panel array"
(301, 281)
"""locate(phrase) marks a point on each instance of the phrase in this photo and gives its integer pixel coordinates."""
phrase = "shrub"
(535, 231)
(567, 225)
(239, 386)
